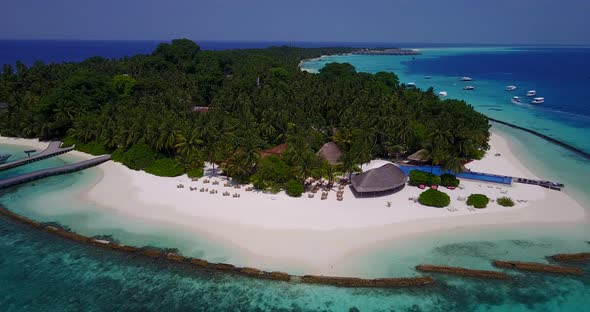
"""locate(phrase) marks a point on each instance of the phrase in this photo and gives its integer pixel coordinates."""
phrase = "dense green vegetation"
(294, 188)
(478, 200)
(434, 198)
(140, 109)
(447, 179)
(195, 172)
(165, 167)
(418, 177)
(505, 201)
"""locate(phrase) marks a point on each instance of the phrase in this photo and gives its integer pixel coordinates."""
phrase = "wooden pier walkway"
(52, 150)
(547, 184)
(40, 174)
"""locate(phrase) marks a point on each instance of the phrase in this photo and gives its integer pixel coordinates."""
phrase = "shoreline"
(321, 234)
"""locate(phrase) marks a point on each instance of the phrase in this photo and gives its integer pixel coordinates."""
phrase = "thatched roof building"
(420, 156)
(331, 153)
(387, 178)
(200, 109)
(277, 150)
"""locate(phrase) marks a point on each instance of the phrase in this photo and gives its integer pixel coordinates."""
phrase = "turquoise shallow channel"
(42, 272)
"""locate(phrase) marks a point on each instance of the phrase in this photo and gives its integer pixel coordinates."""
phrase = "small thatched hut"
(420, 156)
(331, 153)
(379, 181)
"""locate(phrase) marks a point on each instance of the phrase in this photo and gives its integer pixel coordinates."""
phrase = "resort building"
(331, 153)
(383, 180)
(200, 109)
(277, 150)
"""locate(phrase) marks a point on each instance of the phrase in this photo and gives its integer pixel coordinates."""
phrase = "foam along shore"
(270, 230)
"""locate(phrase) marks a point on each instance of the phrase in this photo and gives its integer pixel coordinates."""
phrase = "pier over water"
(52, 150)
(40, 174)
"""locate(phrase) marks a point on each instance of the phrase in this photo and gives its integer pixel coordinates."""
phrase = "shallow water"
(41, 272)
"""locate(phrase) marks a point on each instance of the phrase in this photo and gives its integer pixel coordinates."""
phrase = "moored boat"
(427, 77)
(411, 84)
(442, 93)
(510, 88)
(515, 100)
(531, 93)
(469, 88)
(538, 100)
(466, 79)
(4, 158)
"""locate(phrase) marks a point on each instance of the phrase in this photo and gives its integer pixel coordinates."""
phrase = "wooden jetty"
(547, 184)
(40, 174)
(545, 137)
(52, 150)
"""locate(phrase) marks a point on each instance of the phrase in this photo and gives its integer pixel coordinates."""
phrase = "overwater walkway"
(40, 174)
(52, 150)
(484, 177)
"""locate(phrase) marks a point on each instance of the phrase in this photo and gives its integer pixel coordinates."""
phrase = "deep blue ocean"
(41, 272)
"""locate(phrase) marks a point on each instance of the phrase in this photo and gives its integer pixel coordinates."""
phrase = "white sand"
(312, 233)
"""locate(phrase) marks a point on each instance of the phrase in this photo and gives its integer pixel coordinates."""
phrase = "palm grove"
(140, 109)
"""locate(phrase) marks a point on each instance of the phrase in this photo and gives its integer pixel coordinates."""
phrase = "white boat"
(442, 93)
(510, 88)
(411, 84)
(4, 158)
(469, 88)
(515, 100)
(466, 79)
(531, 93)
(538, 100)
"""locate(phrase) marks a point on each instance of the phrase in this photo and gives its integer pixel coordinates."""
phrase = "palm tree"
(188, 142)
(453, 164)
(330, 172)
(167, 135)
(349, 165)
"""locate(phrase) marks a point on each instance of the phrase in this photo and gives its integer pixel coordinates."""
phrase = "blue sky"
(429, 21)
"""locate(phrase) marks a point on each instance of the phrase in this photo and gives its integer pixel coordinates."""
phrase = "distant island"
(387, 51)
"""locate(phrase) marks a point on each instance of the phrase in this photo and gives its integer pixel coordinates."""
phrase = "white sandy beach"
(314, 234)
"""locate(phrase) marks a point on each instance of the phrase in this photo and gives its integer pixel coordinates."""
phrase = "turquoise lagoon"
(41, 272)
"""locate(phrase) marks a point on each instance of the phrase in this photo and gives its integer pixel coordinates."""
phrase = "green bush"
(434, 198)
(478, 200)
(447, 179)
(418, 177)
(165, 167)
(505, 201)
(195, 172)
(92, 148)
(271, 171)
(294, 188)
(139, 156)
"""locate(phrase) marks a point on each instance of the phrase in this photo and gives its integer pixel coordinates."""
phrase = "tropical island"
(171, 111)
(243, 146)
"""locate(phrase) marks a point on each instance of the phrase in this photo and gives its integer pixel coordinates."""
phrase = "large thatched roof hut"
(385, 179)
(331, 153)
